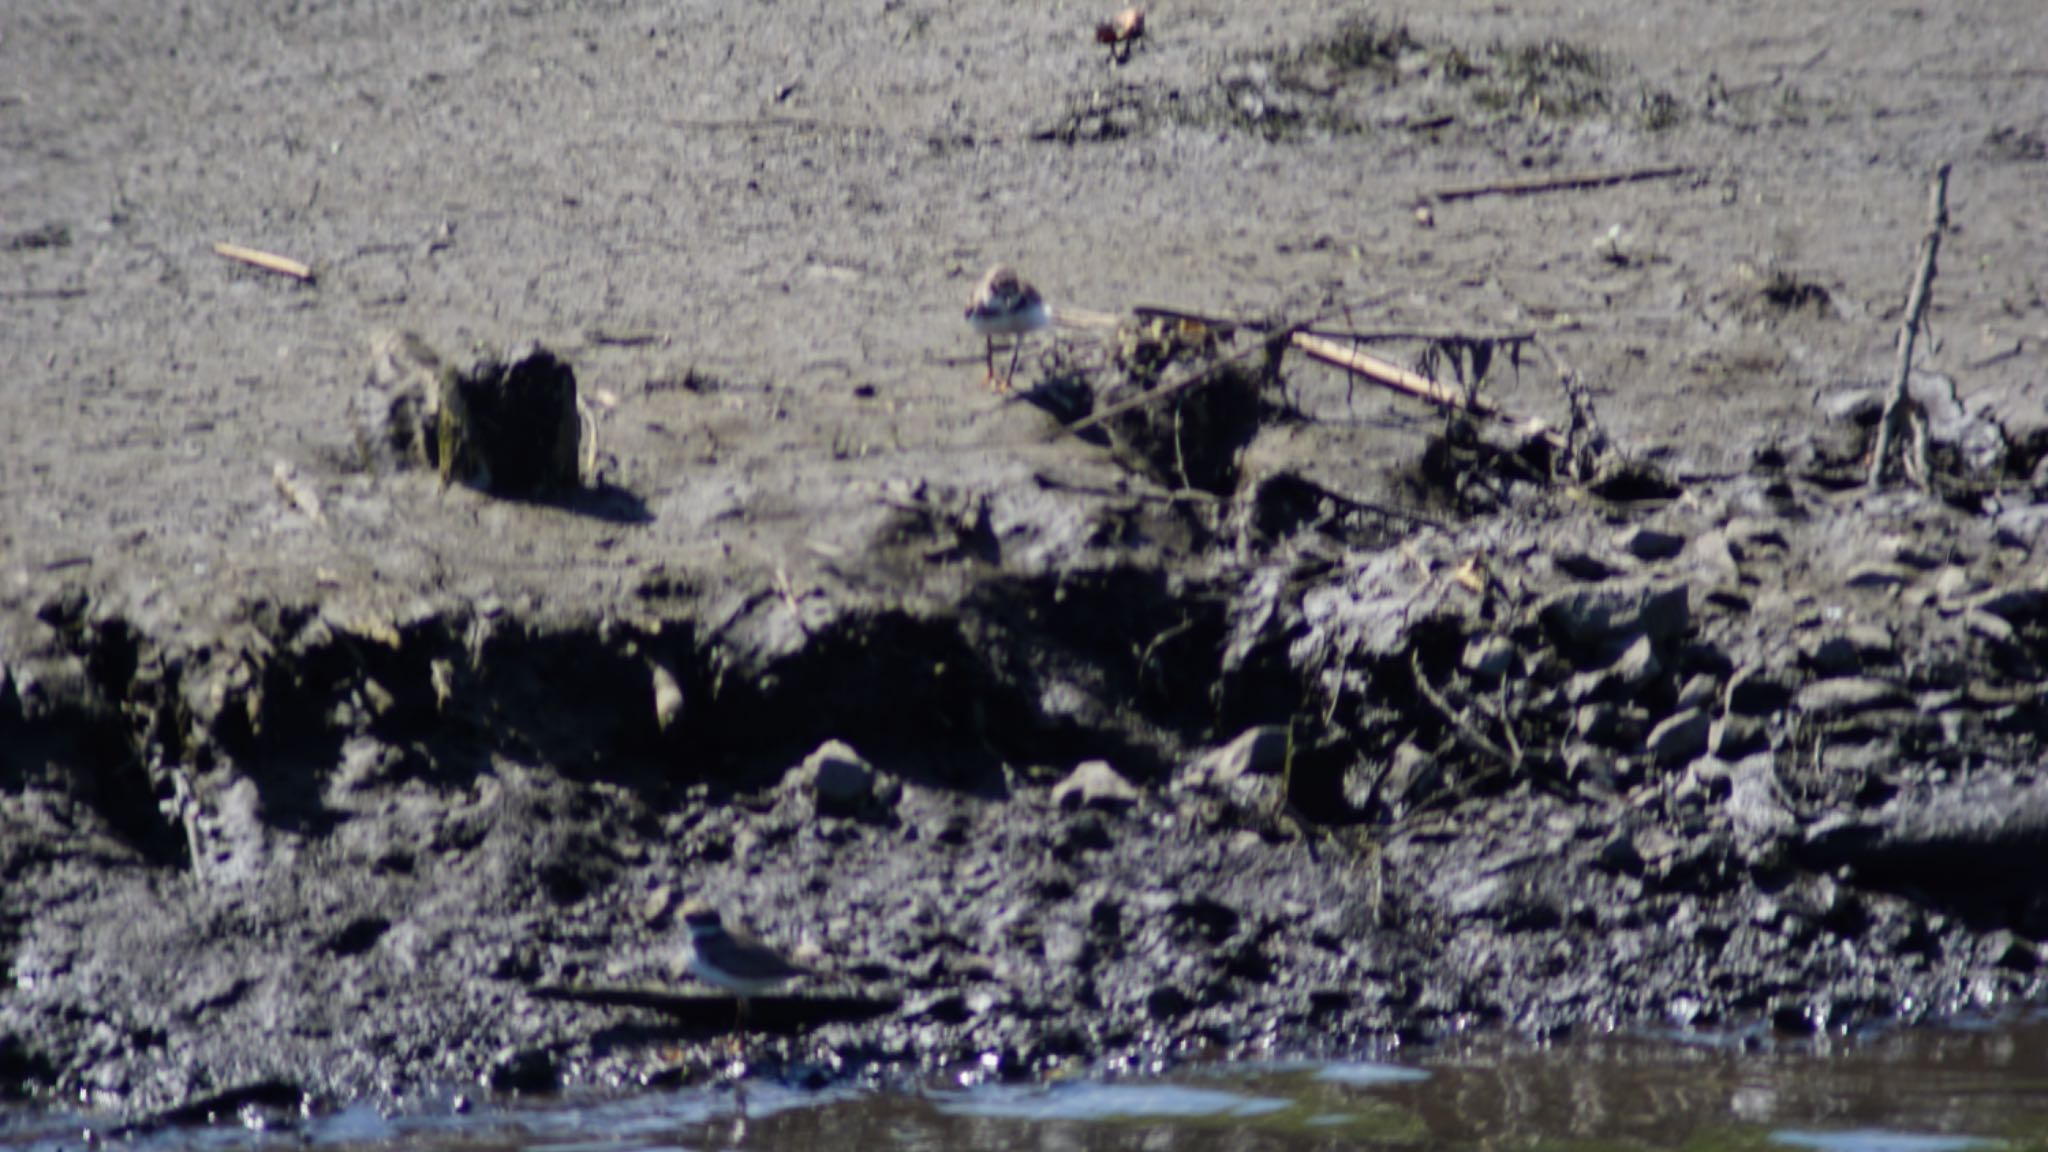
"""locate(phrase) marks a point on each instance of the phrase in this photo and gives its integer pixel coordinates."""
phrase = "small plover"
(1003, 304)
(733, 960)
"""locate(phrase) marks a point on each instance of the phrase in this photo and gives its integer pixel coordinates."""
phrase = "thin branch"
(1389, 334)
(1460, 726)
(1559, 183)
(1909, 328)
(1414, 384)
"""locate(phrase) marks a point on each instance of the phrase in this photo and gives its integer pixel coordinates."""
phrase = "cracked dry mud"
(319, 777)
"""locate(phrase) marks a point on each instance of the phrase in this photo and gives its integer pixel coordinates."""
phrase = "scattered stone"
(1878, 574)
(1263, 750)
(2011, 952)
(1637, 666)
(1679, 738)
(1993, 628)
(1596, 615)
(1699, 691)
(1756, 801)
(2015, 605)
(1752, 692)
(1094, 784)
(366, 763)
(1849, 695)
(1735, 736)
(658, 905)
(668, 696)
(1488, 657)
(1414, 775)
(841, 782)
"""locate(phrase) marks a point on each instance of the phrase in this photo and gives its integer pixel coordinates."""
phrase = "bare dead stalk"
(1559, 183)
(1909, 329)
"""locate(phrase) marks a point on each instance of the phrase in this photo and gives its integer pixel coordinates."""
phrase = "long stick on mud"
(268, 261)
(1414, 384)
(1909, 329)
(1559, 183)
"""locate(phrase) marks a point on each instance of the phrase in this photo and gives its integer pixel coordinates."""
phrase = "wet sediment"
(1755, 753)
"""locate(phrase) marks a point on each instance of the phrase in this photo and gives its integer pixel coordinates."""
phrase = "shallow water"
(1919, 1090)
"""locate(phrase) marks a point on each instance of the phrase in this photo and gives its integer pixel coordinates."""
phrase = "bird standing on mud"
(1004, 304)
(732, 960)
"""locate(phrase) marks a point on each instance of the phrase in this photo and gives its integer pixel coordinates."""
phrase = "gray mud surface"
(317, 776)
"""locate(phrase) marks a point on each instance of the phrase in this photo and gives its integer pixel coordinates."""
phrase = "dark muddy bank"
(1757, 751)
(318, 777)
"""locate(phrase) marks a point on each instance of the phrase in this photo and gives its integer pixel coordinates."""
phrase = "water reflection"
(1877, 1140)
(1926, 1090)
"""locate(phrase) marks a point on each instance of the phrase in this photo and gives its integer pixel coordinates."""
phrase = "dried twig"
(268, 261)
(302, 496)
(790, 599)
(1378, 335)
(1909, 328)
(1414, 384)
(1558, 183)
(1455, 717)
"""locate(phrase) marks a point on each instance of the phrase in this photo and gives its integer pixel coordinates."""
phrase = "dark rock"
(1650, 544)
(1635, 667)
(1974, 833)
(841, 780)
(1599, 615)
(1754, 693)
(2015, 605)
(1167, 1003)
(525, 1070)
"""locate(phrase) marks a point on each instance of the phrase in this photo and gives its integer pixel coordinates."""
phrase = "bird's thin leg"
(990, 379)
(739, 1025)
(1015, 350)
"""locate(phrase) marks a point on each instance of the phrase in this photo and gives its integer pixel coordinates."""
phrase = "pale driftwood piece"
(301, 495)
(1909, 329)
(268, 261)
(1417, 385)
(1375, 336)
(1066, 317)
(1537, 184)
